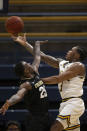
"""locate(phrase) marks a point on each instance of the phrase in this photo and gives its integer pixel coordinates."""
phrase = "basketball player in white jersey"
(70, 81)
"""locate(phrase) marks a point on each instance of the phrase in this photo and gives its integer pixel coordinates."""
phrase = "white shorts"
(70, 112)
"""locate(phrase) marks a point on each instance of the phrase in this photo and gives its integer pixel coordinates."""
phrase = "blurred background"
(63, 23)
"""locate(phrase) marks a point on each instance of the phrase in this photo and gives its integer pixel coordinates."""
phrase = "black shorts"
(39, 122)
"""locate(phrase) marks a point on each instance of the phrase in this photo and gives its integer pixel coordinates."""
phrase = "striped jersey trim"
(65, 117)
(66, 99)
(72, 127)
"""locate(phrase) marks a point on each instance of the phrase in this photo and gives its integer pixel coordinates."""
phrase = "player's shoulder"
(79, 64)
(26, 85)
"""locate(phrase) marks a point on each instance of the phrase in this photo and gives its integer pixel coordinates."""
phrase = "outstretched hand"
(4, 108)
(19, 39)
(22, 39)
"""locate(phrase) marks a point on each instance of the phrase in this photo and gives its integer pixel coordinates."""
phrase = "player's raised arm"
(36, 53)
(52, 61)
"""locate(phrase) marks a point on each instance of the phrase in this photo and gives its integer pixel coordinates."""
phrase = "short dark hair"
(82, 52)
(13, 123)
(19, 69)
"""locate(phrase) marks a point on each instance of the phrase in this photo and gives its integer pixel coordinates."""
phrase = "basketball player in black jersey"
(32, 89)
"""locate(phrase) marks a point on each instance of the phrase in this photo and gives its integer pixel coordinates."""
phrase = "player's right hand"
(19, 39)
(4, 108)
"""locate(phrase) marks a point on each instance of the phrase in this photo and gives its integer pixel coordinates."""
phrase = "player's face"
(28, 69)
(72, 55)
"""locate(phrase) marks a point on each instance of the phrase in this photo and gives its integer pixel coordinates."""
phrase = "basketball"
(14, 25)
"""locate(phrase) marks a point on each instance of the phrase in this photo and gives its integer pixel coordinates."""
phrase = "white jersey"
(72, 87)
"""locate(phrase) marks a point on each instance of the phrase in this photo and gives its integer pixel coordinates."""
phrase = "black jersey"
(36, 100)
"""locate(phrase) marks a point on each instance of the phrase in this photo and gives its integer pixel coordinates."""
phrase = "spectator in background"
(13, 126)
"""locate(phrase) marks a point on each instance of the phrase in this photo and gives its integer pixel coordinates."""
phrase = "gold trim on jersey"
(66, 99)
(72, 127)
(65, 117)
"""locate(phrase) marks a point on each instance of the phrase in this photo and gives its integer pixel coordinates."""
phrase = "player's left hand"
(4, 108)
(19, 39)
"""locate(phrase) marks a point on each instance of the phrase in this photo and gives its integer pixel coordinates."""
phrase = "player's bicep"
(73, 71)
(77, 69)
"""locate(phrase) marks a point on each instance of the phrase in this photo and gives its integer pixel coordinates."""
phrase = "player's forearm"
(29, 47)
(36, 50)
(51, 80)
(14, 99)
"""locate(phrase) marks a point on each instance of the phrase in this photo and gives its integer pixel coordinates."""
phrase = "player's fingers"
(25, 36)
(43, 42)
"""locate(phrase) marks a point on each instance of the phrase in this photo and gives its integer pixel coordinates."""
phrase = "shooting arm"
(52, 61)
(70, 73)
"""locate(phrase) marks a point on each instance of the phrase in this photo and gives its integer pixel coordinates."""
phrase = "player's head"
(76, 54)
(13, 126)
(24, 69)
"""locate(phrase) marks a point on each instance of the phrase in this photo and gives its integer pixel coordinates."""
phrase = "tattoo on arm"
(17, 97)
